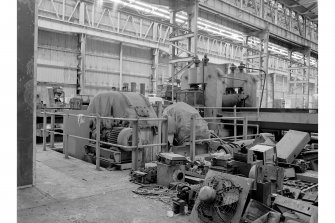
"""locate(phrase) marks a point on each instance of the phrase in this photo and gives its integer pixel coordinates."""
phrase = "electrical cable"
(158, 192)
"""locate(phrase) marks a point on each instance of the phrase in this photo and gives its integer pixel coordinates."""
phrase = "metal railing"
(52, 122)
(234, 108)
(162, 132)
(245, 135)
(235, 111)
(162, 135)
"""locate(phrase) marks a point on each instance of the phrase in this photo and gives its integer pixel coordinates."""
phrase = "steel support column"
(26, 91)
(266, 66)
(177, 35)
(271, 89)
(121, 67)
(289, 72)
(82, 13)
(275, 8)
(245, 50)
(154, 77)
(263, 35)
(262, 9)
(156, 58)
(192, 25)
(283, 85)
(308, 63)
(81, 64)
(172, 68)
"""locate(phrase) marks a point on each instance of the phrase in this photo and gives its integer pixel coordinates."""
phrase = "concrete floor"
(71, 190)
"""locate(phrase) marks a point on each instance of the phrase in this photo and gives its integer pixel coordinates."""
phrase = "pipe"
(204, 63)
(242, 66)
(260, 103)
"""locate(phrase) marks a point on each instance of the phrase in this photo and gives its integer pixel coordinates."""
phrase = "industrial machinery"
(170, 168)
(165, 91)
(80, 102)
(224, 85)
(218, 200)
(56, 97)
(221, 198)
(179, 130)
(145, 175)
(54, 101)
(121, 105)
(217, 85)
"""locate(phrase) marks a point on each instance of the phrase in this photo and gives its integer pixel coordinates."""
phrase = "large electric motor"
(120, 136)
(119, 132)
(112, 134)
(116, 135)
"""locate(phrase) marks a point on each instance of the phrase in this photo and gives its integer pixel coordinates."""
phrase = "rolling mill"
(147, 111)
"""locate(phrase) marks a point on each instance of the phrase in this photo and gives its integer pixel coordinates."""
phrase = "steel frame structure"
(108, 22)
(259, 14)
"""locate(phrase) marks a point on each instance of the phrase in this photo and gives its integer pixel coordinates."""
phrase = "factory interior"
(154, 111)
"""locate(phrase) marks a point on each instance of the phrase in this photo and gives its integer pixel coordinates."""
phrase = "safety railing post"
(160, 109)
(235, 124)
(97, 143)
(192, 137)
(44, 130)
(52, 134)
(134, 154)
(245, 127)
(66, 137)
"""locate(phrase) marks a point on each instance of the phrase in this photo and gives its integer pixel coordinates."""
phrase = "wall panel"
(57, 62)
(102, 66)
